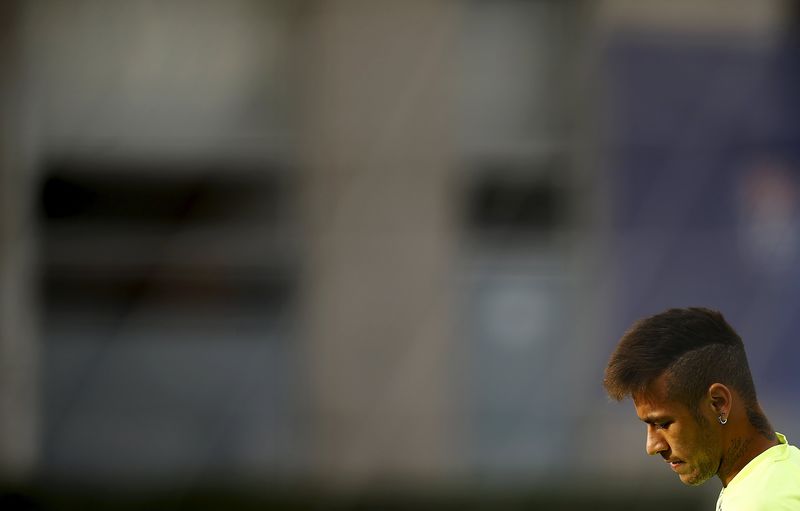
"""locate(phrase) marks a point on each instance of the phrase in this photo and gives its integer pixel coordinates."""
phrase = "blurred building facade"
(359, 244)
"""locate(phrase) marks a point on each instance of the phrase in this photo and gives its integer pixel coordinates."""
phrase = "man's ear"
(720, 398)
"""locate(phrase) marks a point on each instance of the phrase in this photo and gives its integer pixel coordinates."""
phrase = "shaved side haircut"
(695, 347)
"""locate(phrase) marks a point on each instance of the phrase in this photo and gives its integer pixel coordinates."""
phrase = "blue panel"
(706, 190)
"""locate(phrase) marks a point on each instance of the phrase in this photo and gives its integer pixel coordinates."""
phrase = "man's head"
(683, 368)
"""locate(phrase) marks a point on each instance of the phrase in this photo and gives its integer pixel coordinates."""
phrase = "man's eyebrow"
(654, 418)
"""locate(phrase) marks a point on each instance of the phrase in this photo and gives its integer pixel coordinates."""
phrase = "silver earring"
(723, 420)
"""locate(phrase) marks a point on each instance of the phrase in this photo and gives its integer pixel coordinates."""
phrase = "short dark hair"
(694, 346)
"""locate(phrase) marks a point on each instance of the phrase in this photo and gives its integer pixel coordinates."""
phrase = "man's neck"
(741, 449)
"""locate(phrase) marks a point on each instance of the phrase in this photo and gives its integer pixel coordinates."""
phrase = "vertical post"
(376, 146)
(19, 403)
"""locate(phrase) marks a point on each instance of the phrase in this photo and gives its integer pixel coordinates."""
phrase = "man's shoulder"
(783, 465)
(779, 480)
(772, 485)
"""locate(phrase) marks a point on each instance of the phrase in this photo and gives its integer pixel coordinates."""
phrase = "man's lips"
(674, 464)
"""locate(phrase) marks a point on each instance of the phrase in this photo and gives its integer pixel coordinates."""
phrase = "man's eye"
(663, 425)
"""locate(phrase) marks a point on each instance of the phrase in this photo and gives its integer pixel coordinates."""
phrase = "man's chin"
(692, 479)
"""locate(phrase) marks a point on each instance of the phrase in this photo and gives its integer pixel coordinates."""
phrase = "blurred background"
(354, 254)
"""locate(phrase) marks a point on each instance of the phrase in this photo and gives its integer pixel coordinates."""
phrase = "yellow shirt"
(769, 482)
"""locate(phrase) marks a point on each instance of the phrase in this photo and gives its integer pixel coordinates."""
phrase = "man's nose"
(655, 442)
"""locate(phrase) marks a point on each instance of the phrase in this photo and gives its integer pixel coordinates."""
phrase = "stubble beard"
(705, 465)
(705, 469)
